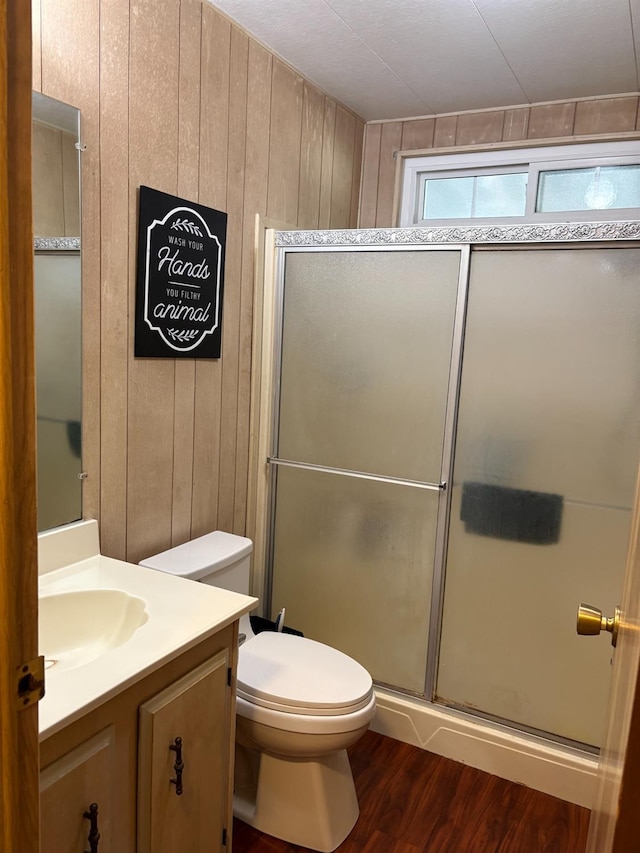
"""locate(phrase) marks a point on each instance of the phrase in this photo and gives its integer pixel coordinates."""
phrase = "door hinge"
(228, 676)
(224, 837)
(30, 682)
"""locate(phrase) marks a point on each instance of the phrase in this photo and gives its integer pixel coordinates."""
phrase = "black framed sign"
(180, 278)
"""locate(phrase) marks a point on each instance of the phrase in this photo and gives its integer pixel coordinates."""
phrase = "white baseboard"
(542, 765)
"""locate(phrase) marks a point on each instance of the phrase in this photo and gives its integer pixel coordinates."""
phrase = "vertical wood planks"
(418, 134)
(551, 120)
(390, 142)
(188, 187)
(255, 201)
(479, 128)
(46, 165)
(608, 117)
(36, 46)
(342, 169)
(516, 125)
(70, 185)
(444, 134)
(328, 142)
(153, 153)
(70, 73)
(357, 173)
(114, 244)
(311, 157)
(214, 144)
(183, 101)
(295, 158)
(233, 276)
(370, 171)
(284, 143)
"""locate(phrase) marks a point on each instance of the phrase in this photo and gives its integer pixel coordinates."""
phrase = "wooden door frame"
(626, 831)
(18, 537)
(614, 820)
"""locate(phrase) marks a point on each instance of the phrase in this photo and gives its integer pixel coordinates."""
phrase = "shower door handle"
(591, 622)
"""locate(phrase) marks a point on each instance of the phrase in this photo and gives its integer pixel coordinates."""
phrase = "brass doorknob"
(591, 622)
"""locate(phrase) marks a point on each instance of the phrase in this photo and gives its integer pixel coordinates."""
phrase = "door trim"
(19, 804)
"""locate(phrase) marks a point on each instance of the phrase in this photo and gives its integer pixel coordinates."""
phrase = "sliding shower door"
(366, 362)
(509, 373)
(546, 457)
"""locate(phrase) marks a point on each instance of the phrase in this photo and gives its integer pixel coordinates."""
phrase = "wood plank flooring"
(412, 800)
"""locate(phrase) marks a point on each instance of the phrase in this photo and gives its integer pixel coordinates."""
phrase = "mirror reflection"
(57, 285)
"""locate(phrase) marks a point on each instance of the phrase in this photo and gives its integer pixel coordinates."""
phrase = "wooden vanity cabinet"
(119, 757)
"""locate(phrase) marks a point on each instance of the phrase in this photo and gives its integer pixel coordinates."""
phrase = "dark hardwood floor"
(411, 800)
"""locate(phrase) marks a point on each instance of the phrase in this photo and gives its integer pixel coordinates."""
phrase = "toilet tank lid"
(201, 556)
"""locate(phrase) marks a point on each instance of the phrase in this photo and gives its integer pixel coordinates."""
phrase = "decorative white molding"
(57, 244)
(563, 232)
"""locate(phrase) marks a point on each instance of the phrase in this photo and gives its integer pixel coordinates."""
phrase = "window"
(567, 183)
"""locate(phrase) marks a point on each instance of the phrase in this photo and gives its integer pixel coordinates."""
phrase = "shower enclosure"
(456, 434)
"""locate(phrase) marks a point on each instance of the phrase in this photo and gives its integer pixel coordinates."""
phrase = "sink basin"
(77, 627)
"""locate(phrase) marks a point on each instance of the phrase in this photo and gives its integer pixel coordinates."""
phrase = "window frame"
(416, 169)
(515, 169)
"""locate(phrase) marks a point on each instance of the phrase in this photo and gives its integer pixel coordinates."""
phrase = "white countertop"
(181, 613)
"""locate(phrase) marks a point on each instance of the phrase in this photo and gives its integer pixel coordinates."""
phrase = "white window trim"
(534, 160)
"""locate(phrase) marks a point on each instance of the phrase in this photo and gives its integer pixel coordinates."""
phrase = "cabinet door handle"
(94, 835)
(178, 766)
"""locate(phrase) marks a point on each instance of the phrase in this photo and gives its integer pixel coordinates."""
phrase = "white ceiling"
(398, 58)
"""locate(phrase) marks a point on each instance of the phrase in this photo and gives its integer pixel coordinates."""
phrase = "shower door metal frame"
(463, 239)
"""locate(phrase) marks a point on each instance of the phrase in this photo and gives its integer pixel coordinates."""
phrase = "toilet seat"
(294, 675)
(307, 724)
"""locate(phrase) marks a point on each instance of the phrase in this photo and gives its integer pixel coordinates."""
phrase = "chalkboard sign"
(180, 278)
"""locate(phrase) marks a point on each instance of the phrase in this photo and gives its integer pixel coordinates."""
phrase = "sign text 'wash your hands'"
(180, 278)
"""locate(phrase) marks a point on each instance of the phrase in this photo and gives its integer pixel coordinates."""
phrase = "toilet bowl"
(299, 705)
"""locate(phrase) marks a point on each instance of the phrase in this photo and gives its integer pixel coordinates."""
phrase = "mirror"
(57, 293)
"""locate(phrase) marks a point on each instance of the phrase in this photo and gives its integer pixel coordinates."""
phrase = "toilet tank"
(218, 559)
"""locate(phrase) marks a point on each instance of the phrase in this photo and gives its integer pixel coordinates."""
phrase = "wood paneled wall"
(175, 96)
(613, 117)
(56, 202)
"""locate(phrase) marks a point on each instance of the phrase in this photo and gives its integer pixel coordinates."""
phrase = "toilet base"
(311, 802)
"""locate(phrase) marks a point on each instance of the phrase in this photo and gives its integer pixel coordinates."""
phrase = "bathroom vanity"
(142, 723)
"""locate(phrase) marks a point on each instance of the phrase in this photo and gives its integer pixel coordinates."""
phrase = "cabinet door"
(68, 787)
(197, 709)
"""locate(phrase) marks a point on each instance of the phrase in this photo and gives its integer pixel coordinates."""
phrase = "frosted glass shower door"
(366, 354)
(546, 457)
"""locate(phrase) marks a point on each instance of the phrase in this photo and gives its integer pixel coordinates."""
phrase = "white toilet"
(300, 704)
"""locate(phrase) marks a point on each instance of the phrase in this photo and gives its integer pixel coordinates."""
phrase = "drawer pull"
(178, 766)
(94, 835)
